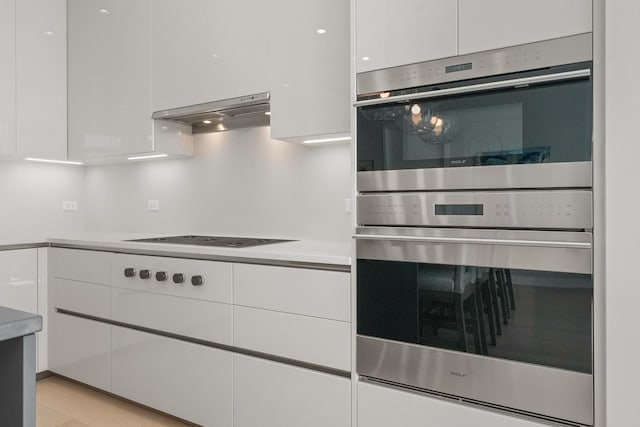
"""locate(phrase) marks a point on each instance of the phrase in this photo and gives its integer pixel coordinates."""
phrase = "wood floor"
(61, 403)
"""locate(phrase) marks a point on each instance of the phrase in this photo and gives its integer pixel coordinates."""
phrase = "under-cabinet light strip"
(319, 141)
(152, 156)
(63, 162)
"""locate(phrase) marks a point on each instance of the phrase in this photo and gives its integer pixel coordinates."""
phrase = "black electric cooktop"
(227, 242)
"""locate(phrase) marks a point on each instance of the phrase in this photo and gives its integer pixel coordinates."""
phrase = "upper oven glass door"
(532, 120)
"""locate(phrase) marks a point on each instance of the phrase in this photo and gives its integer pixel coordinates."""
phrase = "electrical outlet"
(347, 205)
(153, 205)
(69, 205)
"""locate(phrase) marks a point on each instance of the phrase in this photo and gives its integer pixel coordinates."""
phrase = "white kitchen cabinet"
(109, 73)
(80, 349)
(80, 265)
(178, 53)
(310, 82)
(492, 24)
(41, 64)
(237, 48)
(184, 379)
(270, 394)
(7, 77)
(380, 406)
(390, 33)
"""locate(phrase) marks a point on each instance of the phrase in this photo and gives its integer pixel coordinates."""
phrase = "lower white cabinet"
(80, 349)
(270, 394)
(380, 406)
(187, 380)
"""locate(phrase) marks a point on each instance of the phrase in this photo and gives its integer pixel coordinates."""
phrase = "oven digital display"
(459, 67)
(459, 209)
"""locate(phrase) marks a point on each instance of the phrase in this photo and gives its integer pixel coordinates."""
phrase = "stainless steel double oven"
(475, 218)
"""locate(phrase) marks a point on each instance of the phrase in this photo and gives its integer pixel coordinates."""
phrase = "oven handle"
(524, 81)
(476, 241)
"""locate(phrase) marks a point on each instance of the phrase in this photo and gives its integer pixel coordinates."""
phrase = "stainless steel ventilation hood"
(218, 116)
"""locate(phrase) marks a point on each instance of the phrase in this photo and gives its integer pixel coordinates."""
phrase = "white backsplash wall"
(239, 182)
(32, 196)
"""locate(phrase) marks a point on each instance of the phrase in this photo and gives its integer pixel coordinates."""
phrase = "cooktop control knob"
(178, 278)
(129, 272)
(162, 276)
(145, 274)
(197, 280)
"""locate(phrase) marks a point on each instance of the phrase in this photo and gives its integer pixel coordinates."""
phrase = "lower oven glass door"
(493, 316)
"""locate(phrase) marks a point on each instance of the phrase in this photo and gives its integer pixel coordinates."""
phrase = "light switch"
(69, 205)
(153, 205)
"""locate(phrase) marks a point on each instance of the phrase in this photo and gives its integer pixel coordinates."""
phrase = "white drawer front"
(293, 290)
(204, 320)
(80, 349)
(187, 380)
(217, 276)
(81, 297)
(301, 398)
(80, 265)
(308, 339)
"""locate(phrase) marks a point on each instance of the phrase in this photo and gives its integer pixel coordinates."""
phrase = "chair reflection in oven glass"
(453, 301)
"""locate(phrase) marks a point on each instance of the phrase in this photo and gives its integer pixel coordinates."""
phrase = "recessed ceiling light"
(365, 58)
(49, 33)
(206, 122)
(321, 31)
(104, 12)
(214, 56)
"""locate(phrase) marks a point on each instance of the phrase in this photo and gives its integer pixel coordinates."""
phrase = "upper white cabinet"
(7, 77)
(398, 32)
(178, 53)
(109, 51)
(41, 64)
(237, 48)
(310, 83)
(492, 24)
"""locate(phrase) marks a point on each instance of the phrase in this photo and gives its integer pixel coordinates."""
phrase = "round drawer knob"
(129, 272)
(162, 276)
(178, 278)
(197, 280)
(145, 274)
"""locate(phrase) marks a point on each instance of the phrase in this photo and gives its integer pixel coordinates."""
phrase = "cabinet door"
(19, 279)
(80, 349)
(178, 62)
(7, 77)
(310, 69)
(109, 49)
(398, 32)
(187, 380)
(492, 24)
(380, 406)
(237, 48)
(270, 394)
(41, 61)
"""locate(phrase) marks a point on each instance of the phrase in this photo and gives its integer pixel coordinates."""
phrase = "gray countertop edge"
(15, 323)
(16, 246)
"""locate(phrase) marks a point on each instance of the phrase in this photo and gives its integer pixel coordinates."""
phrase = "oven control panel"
(553, 209)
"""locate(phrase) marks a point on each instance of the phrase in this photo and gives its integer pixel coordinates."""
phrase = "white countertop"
(301, 251)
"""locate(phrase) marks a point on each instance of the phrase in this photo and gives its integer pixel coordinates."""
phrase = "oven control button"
(197, 280)
(162, 276)
(145, 274)
(129, 272)
(178, 278)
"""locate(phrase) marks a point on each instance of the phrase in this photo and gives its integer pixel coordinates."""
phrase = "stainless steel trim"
(212, 344)
(557, 393)
(569, 252)
(538, 175)
(525, 81)
(549, 53)
(541, 243)
(17, 246)
(183, 255)
(183, 113)
(549, 209)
